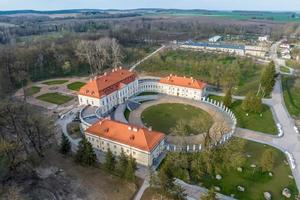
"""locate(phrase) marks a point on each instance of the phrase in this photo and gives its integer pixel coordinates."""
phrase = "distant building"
(264, 38)
(240, 50)
(227, 48)
(142, 144)
(257, 51)
(216, 38)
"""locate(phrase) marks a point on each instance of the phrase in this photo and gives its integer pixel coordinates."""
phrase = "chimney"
(129, 128)
(192, 78)
(135, 129)
(105, 73)
(150, 128)
(120, 67)
(113, 70)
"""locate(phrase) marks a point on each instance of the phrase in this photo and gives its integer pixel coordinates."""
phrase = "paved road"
(147, 57)
(291, 140)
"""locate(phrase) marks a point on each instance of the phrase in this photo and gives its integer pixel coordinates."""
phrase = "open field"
(75, 85)
(236, 15)
(291, 95)
(55, 98)
(253, 121)
(163, 117)
(217, 69)
(33, 90)
(55, 82)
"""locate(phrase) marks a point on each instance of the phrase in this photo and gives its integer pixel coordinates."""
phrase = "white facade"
(142, 157)
(106, 103)
(173, 90)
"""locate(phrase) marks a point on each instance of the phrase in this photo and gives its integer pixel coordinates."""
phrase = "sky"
(274, 5)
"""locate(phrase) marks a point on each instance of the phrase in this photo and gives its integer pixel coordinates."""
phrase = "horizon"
(215, 5)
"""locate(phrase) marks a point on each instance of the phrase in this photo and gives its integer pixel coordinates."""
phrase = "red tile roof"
(183, 82)
(140, 138)
(107, 83)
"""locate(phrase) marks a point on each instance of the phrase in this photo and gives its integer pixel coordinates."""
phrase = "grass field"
(55, 98)
(75, 85)
(236, 15)
(55, 82)
(255, 181)
(284, 69)
(163, 117)
(147, 93)
(253, 121)
(216, 69)
(291, 95)
(33, 90)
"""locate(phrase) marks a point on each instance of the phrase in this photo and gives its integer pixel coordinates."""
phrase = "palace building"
(143, 144)
(109, 90)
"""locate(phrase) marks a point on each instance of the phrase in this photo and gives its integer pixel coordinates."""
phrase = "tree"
(110, 161)
(267, 160)
(65, 145)
(130, 170)
(85, 154)
(117, 55)
(122, 164)
(252, 103)
(23, 125)
(210, 195)
(267, 80)
(227, 98)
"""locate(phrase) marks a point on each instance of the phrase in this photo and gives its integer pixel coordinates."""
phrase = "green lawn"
(33, 90)
(147, 93)
(126, 114)
(216, 69)
(163, 117)
(255, 181)
(284, 69)
(291, 94)
(253, 121)
(55, 98)
(75, 85)
(55, 82)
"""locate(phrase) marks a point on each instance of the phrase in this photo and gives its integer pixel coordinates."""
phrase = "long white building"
(141, 143)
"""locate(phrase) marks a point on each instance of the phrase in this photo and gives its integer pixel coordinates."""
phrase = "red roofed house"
(143, 144)
(109, 90)
(182, 87)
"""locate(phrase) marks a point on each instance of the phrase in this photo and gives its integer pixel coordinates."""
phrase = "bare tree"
(117, 55)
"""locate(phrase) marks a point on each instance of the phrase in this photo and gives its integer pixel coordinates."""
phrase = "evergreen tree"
(252, 103)
(267, 80)
(85, 154)
(210, 195)
(267, 160)
(65, 145)
(110, 161)
(122, 164)
(130, 170)
(228, 98)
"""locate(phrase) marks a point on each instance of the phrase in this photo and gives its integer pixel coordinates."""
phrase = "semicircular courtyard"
(184, 121)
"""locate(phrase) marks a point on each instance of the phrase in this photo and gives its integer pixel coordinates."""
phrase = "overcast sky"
(293, 5)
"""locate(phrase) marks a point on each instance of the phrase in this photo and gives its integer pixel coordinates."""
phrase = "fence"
(225, 137)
